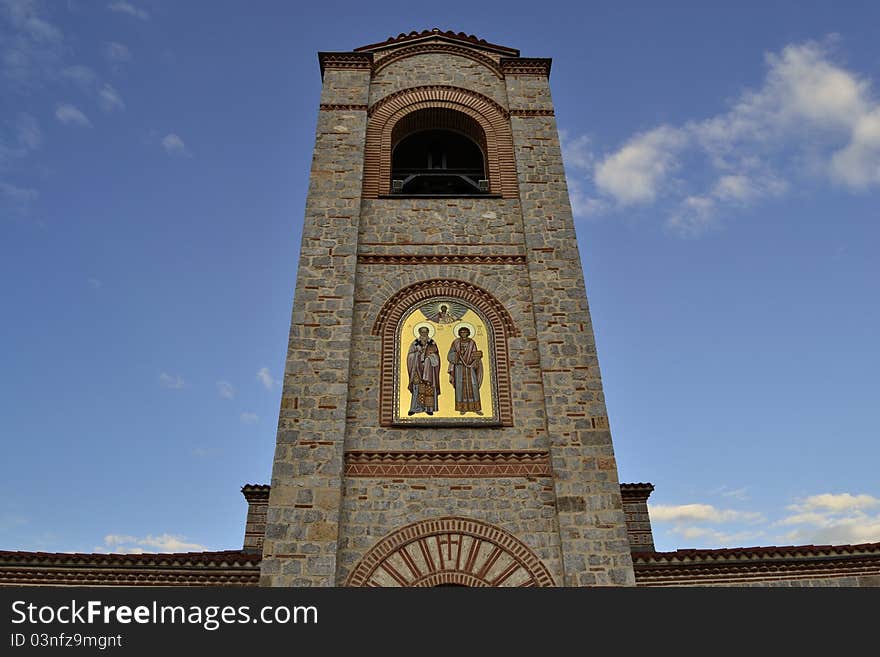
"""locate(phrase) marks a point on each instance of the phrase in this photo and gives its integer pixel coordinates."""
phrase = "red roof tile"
(468, 39)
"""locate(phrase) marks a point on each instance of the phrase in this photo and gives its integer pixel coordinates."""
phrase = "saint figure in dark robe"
(423, 368)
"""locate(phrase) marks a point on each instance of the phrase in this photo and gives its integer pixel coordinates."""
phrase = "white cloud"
(832, 518)
(16, 201)
(174, 382)
(83, 76)
(700, 513)
(28, 132)
(807, 109)
(206, 452)
(70, 115)
(225, 389)
(249, 418)
(123, 544)
(715, 538)
(95, 283)
(858, 164)
(31, 48)
(639, 171)
(18, 194)
(836, 503)
(576, 153)
(24, 136)
(110, 99)
(266, 378)
(122, 7)
(740, 494)
(117, 53)
(695, 215)
(174, 145)
(23, 15)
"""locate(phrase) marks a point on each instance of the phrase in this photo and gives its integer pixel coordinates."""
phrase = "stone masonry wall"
(318, 527)
(524, 507)
(311, 425)
(591, 519)
(439, 69)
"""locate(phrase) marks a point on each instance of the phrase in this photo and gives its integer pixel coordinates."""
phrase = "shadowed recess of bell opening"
(438, 162)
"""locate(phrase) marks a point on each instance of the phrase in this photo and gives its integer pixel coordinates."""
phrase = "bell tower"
(442, 419)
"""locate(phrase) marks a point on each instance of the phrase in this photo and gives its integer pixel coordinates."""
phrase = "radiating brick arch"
(491, 117)
(450, 550)
(486, 304)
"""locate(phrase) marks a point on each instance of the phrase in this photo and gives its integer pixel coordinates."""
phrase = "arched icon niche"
(446, 369)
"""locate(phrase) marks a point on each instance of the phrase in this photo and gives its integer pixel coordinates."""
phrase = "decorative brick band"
(445, 48)
(532, 112)
(448, 464)
(526, 66)
(494, 313)
(450, 551)
(345, 60)
(432, 259)
(327, 107)
(488, 116)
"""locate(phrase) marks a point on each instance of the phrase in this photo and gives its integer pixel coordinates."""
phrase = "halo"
(467, 325)
(429, 326)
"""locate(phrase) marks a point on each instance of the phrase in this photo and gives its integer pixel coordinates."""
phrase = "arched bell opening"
(438, 151)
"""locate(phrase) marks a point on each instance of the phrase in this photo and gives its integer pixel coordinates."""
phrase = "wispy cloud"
(740, 494)
(266, 379)
(808, 109)
(70, 115)
(249, 418)
(95, 283)
(700, 513)
(225, 389)
(833, 518)
(206, 452)
(17, 198)
(18, 139)
(122, 7)
(89, 83)
(117, 53)
(174, 382)
(31, 47)
(123, 544)
(174, 145)
(707, 525)
(110, 99)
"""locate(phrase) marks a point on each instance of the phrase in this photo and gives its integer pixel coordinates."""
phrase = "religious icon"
(443, 312)
(423, 369)
(444, 374)
(466, 370)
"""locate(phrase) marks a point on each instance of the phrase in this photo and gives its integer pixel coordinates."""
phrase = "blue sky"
(724, 163)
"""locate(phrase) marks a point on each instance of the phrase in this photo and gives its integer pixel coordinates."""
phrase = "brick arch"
(445, 48)
(451, 550)
(491, 117)
(438, 118)
(400, 303)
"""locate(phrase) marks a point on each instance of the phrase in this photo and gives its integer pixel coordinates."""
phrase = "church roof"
(851, 565)
(222, 568)
(436, 33)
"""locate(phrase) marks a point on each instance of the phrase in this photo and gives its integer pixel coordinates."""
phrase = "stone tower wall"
(547, 479)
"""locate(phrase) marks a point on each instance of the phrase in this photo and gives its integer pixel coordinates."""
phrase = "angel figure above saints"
(466, 370)
(443, 312)
(423, 368)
